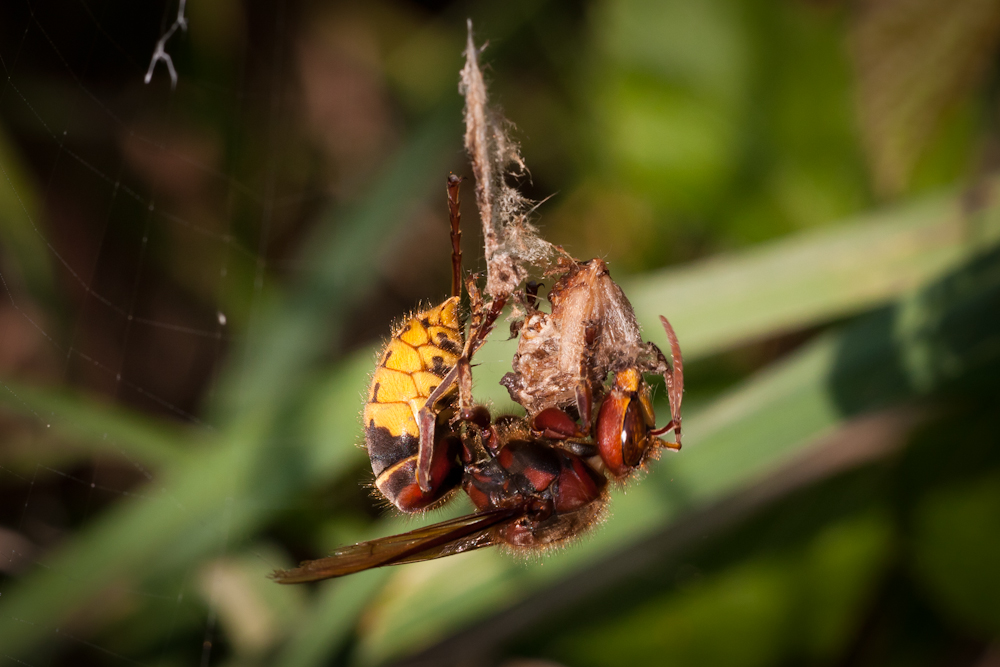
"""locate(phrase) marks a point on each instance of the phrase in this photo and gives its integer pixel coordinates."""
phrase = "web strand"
(160, 53)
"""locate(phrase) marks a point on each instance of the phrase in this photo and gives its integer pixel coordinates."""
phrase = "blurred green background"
(195, 281)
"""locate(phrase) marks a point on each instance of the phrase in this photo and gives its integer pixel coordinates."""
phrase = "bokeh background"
(195, 281)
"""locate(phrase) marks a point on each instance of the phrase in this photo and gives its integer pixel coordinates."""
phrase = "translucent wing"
(435, 541)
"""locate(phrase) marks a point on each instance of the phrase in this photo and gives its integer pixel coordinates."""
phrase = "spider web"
(145, 229)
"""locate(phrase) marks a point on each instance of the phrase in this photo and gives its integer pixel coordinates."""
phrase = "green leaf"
(810, 278)
(99, 426)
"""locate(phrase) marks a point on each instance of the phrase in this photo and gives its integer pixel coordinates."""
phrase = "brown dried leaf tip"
(511, 242)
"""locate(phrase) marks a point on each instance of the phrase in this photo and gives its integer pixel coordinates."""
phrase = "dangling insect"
(536, 480)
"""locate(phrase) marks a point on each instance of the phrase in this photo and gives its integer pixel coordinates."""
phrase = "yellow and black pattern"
(420, 353)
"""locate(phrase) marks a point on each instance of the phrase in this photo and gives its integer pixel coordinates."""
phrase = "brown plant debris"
(590, 332)
(511, 243)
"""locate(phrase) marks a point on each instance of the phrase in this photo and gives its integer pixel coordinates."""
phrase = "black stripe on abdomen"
(385, 449)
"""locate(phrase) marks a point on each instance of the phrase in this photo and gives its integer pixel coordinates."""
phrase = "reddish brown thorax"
(566, 495)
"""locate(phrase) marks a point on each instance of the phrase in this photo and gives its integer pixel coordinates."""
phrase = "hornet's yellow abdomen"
(424, 349)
